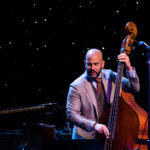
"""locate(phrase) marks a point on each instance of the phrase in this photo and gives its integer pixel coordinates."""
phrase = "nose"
(92, 67)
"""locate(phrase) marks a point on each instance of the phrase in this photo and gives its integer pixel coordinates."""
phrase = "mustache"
(92, 71)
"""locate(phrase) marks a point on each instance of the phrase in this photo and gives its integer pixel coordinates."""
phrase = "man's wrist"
(94, 125)
(130, 69)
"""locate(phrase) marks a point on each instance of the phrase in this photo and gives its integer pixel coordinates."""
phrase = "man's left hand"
(124, 58)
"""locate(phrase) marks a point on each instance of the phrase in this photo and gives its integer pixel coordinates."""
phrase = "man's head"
(94, 62)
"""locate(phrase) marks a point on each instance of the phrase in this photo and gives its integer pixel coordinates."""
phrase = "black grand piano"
(39, 127)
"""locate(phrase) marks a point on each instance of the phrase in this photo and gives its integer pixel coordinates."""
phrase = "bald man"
(85, 104)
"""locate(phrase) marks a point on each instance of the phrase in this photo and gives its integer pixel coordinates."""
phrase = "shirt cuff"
(91, 129)
(131, 73)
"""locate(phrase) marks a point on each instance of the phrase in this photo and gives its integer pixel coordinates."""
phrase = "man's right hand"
(101, 128)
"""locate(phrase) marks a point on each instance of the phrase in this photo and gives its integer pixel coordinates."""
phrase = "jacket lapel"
(109, 88)
(89, 90)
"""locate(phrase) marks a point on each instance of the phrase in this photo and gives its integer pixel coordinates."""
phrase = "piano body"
(24, 127)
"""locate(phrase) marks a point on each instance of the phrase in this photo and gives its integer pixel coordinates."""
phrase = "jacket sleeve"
(73, 110)
(130, 83)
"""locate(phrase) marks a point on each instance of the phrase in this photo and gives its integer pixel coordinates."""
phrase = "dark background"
(43, 43)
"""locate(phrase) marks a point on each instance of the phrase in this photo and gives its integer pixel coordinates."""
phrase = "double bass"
(127, 122)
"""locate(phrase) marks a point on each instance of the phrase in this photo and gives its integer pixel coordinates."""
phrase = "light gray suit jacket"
(81, 107)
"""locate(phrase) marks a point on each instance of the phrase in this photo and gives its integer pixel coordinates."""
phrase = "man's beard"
(92, 71)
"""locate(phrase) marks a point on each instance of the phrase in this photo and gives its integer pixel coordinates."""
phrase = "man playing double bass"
(87, 97)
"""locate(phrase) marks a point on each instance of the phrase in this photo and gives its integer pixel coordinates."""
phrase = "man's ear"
(103, 64)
